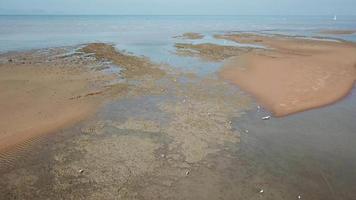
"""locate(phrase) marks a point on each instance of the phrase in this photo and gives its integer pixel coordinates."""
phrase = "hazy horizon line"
(176, 14)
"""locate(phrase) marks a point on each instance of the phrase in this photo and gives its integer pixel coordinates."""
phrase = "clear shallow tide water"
(152, 36)
(312, 152)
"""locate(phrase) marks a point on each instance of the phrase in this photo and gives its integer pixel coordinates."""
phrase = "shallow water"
(152, 36)
(314, 151)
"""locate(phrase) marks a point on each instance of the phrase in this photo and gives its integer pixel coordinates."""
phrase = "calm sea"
(152, 36)
(28, 32)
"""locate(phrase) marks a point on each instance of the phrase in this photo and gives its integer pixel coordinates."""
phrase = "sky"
(179, 7)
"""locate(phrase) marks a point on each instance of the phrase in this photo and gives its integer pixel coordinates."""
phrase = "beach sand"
(292, 75)
(42, 92)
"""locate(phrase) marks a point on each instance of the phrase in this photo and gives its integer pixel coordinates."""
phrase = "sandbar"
(47, 90)
(338, 32)
(292, 75)
(190, 36)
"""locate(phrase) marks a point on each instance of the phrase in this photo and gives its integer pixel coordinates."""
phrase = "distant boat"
(335, 18)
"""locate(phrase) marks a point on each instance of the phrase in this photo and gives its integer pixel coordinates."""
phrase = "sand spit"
(46, 90)
(190, 36)
(338, 32)
(209, 52)
(294, 74)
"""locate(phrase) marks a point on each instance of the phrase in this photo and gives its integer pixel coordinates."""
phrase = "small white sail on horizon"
(335, 18)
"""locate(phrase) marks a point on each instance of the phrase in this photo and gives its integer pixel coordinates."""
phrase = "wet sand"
(208, 52)
(338, 32)
(293, 75)
(39, 96)
(132, 66)
(44, 91)
(190, 36)
(155, 141)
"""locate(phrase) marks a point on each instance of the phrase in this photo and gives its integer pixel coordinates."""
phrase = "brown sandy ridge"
(338, 32)
(294, 74)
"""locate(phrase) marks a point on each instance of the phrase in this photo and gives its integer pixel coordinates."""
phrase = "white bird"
(266, 117)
